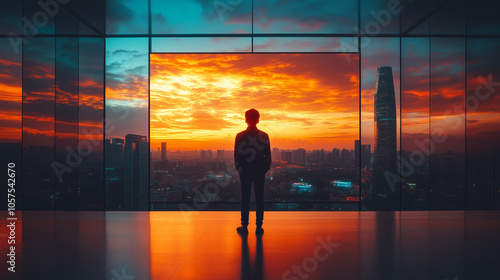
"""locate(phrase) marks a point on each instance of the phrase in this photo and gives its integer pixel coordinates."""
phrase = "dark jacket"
(252, 151)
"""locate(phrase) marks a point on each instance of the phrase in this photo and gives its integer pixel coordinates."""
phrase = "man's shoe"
(242, 230)
(259, 231)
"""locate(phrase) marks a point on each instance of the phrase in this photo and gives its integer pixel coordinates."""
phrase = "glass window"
(127, 17)
(380, 100)
(194, 45)
(310, 45)
(483, 120)
(11, 114)
(37, 19)
(316, 16)
(449, 18)
(38, 124)
(482, 17)
(10, 17)
(447, 124)
(127, 141)
(66, 125)
(91, 123)
(379, 17)
(92, 14)
(415, 123)
(309, 105)
(201, 17)
(414, 17)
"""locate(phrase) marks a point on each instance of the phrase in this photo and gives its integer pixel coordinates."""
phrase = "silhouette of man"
(252, 158)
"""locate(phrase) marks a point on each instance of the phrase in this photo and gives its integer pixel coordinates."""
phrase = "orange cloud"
(309, 101)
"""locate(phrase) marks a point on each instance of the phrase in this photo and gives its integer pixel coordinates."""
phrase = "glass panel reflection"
(127, 17)
(415, 123)
(310, 45)
(379, 17)
(11, 118)
(447, 124)
(316, 16)
(38, 20)
(127, 142)
(38, 123)
(91, 123)
(380, 114)
(449, 18)
(483, 121)
(194, 45)
(482, 17)
(201, 17)
(10, 17)
(93, 14)
(66, 124)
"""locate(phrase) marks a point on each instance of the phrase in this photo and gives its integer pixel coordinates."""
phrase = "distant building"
(220, 155)
(163, 150)
(299, 156)
(346, 158)
(275, 155)
(336, 157)
(318, 156)
(286, 156)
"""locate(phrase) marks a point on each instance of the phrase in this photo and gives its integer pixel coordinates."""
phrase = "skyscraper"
(385, 161)
(299, 156)
(220, 155)
(163, 151)
(136, 157)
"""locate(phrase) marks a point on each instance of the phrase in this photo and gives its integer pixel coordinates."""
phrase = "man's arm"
(237, 156)
(268, 152)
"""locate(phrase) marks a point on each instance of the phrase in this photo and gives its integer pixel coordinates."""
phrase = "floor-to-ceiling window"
(133, 105)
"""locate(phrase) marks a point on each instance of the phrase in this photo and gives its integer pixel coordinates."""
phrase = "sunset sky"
(306, 101)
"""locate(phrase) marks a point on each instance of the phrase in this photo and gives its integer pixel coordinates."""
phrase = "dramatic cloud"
(202, 98)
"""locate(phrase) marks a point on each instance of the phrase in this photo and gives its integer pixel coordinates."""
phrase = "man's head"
(252, 117)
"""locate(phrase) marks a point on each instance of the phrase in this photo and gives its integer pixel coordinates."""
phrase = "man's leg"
(259, 197)
(246, 187)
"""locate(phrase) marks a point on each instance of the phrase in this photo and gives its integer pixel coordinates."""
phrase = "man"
(252, 158)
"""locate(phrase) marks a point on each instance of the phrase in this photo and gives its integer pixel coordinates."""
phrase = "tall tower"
(385, 160)
(136, 157)
(163, 151)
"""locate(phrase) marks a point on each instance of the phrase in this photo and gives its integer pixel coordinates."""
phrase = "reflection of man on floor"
(252, 158)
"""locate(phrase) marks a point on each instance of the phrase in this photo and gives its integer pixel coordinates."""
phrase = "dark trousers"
(247, 179)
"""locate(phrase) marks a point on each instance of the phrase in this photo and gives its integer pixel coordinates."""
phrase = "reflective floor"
(295, 245)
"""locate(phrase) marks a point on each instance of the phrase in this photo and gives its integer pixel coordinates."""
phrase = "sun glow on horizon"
(306, 101)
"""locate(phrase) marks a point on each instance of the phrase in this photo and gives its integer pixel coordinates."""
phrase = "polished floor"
(295, 245)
